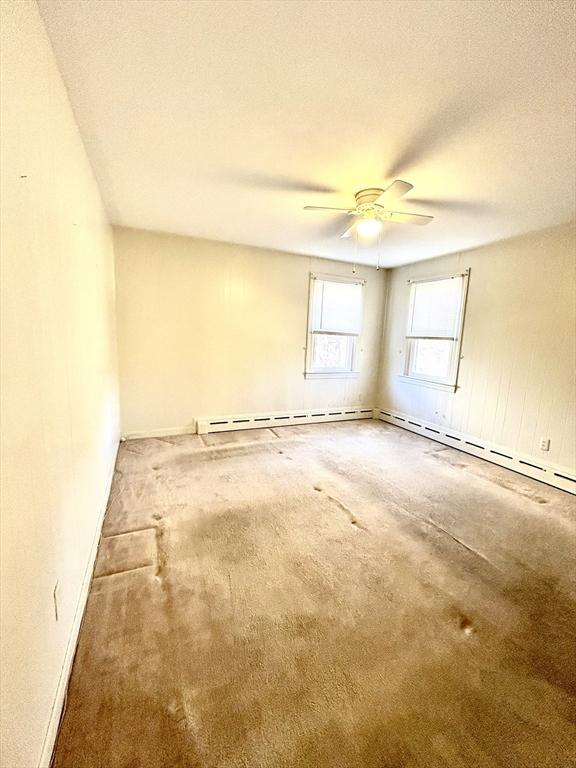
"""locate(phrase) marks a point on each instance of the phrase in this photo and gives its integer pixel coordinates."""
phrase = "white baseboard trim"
(60, 697)
(281, 418)
(534, 467)
(162, 432)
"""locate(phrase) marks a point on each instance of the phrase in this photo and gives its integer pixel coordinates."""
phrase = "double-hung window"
(434, 333)
(334, 326)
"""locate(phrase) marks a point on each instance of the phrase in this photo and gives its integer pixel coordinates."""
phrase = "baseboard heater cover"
(262, 420)
(559, 477)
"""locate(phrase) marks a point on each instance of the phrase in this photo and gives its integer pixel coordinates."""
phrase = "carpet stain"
(161, 552)
(465, 625)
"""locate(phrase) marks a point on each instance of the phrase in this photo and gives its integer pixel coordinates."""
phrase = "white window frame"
(349, 373)
(450, 383)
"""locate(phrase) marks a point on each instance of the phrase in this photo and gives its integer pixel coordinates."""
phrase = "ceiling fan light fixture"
(372, 209)
(368, 227)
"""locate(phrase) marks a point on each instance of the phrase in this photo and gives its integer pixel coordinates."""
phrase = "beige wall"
(516, 381)
(59, 394)
(207, 328)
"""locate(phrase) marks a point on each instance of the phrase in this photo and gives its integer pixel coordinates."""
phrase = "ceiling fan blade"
(451, 204)
(397, 189)
(324, 208)
(330, 226)
(280, 183)
(406, 218)
(349, 232)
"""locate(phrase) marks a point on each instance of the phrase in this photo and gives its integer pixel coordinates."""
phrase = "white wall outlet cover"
(544, 444)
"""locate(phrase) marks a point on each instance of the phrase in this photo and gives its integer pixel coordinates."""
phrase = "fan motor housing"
(367, 196)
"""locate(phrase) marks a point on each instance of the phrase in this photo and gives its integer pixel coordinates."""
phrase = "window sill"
(333, 375)
(429, 384)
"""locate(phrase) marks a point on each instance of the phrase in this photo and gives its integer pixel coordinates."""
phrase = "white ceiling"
(223, 119)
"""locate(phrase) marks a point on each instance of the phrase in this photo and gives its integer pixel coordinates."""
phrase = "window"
(334, 324)
(434, 334)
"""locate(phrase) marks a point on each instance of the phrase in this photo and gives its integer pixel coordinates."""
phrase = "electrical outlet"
(544, 444)
(56, 597)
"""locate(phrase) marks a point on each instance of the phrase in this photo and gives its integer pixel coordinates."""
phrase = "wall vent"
(261, 420)
(525, 465)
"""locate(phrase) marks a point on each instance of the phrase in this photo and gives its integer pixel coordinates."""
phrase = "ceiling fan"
(372, 210)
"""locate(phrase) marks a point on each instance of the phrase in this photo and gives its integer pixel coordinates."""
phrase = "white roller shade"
(435, 308)
(337, 307)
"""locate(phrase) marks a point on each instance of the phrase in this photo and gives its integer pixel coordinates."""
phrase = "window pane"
(431, 358)
(436, 307)
(337, 306)
(331, 352)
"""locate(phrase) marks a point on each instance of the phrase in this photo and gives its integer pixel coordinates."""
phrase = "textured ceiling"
(223, 119)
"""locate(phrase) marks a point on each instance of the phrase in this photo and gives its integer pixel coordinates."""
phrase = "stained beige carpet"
(332, 596)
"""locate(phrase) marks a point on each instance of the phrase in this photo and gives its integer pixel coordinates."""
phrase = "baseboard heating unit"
(560, 477)
(281, 418)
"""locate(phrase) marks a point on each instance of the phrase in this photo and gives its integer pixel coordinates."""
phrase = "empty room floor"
(334, 596)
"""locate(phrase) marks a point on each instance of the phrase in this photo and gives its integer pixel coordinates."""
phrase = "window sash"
(350, 353)
(450, 378)
(455, 337)
(315, 328)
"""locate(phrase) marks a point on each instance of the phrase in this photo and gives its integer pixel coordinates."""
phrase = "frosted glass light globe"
(368, 227)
